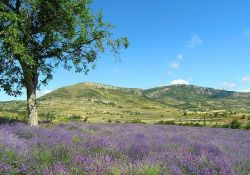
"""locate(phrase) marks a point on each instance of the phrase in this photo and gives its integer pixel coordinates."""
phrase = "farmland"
(81, 148)
(99, 103)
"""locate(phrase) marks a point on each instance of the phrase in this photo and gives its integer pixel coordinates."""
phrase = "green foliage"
(10, 157)
(149, 170)
(75, 117)
(137, 121)
(192, 124)
(76, 139)
(59, 105)
(85, 119)
(235, 124)
(243, 117)
(7, 120)
(225, 126)
(247, 127)
(37, 36)
(166, 122)
(44, 158)
(109, 120)
(61, 153)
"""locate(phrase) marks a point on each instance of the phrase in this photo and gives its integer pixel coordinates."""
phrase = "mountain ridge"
(180, 97)
(100, 102)
(213, 92)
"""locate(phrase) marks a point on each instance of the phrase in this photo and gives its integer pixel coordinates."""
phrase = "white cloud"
(245, 90)
(175, 65)
(179, 81)
(179, 57)
(42, 93)
(228, 85)
(194, 41)
(246, 79)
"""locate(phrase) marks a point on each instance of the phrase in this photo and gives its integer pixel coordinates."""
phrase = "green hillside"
(195, 98)
(103, 103)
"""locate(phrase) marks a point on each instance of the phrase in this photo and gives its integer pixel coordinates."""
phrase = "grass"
(100, 103)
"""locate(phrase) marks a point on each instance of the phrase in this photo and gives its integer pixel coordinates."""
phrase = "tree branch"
(54, 52)
(18, 4)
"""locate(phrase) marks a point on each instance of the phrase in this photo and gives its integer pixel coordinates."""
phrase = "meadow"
(98, 103)
(88, 149)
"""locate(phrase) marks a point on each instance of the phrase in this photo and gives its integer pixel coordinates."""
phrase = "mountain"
(101, 102)
(186, 92)
(195, 98)
(167, 100)
(91, 90)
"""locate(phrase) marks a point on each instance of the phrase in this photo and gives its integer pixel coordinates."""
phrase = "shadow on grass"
(6, 120)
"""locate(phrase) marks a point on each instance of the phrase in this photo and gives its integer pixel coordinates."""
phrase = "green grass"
(90, 102)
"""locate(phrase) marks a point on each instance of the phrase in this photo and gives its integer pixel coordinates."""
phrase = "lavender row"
(81, 148)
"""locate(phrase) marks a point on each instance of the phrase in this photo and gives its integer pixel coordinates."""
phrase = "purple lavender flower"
(57, 168)
(78, 148)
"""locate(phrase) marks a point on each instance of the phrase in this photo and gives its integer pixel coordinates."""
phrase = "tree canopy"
(38, 35)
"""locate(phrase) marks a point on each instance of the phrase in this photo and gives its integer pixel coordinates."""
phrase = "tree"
(235, 124)
(37, 36)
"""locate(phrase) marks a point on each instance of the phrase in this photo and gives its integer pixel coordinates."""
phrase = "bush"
(75, 117)
(166, 122)
(225, 126)
(137, 121)
(117, 121)
(243, 117)
(109, 120)
(192, 124)
(247, 127)
(235, 124)
(85, 119)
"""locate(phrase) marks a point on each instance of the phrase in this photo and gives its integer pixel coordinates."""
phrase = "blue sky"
(200, 42)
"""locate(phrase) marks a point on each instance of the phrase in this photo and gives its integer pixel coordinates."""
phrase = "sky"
(199, 42)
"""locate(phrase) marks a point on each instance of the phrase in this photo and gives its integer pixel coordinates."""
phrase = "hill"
(102, 103)
(195, 98)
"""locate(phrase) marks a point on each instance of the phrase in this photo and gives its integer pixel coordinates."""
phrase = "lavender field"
(80, 148)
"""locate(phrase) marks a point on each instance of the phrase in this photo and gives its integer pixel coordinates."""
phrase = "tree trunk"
(31, 105)
(30, 80)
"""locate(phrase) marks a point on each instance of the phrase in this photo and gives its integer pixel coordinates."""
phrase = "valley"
(99, 103)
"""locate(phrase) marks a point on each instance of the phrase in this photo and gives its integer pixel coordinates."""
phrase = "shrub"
(75, 117)
(117, 121)
(198, 125)
(192, 124)
(166, 122)
(109, 120)
(225, 126)
(247, 127)
(235, 124)
(137, 121)
(243, 117)
(85, 119)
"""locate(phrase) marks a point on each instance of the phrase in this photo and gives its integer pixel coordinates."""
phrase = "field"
(81, 148)
(98, 103)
